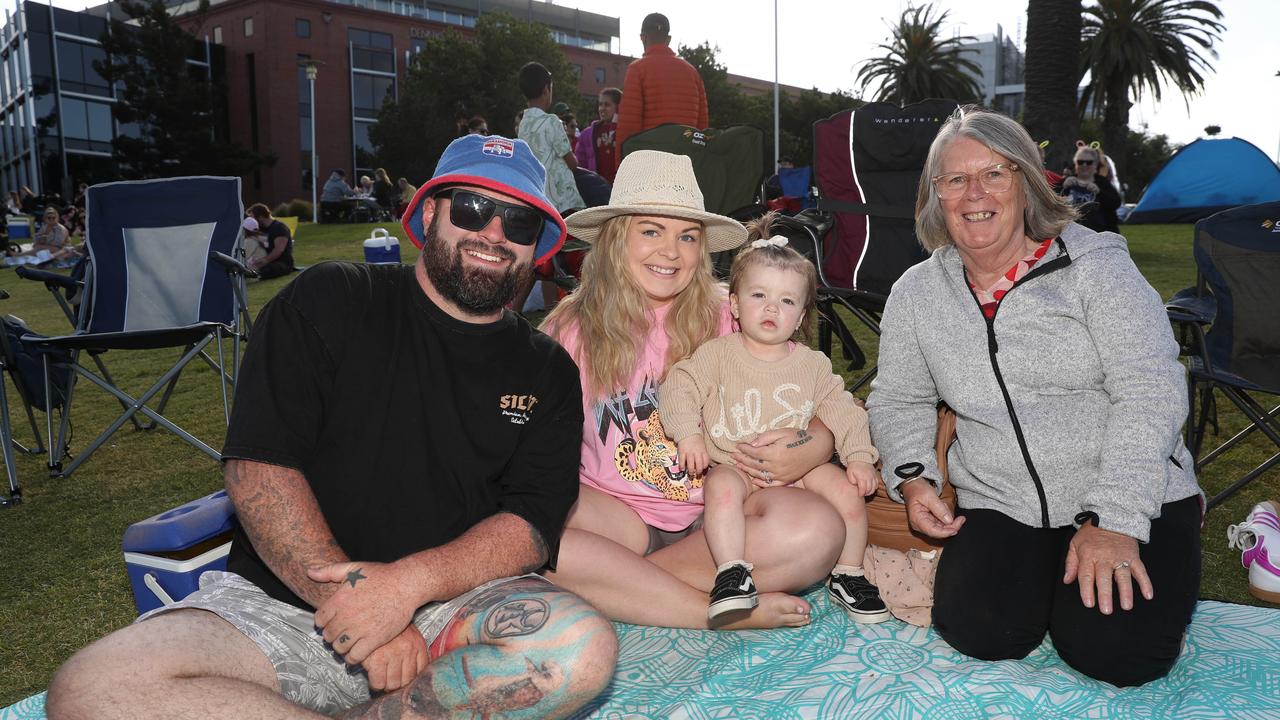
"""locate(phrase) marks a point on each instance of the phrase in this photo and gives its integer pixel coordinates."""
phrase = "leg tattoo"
(516, 651)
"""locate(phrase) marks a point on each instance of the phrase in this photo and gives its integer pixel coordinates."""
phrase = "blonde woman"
(633, 545)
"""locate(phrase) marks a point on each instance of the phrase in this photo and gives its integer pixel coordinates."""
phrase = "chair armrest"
(232, 265)
(1189, 307)
(52, 280)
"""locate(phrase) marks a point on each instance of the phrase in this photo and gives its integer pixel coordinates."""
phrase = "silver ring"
(1122, 565)
(768, 476)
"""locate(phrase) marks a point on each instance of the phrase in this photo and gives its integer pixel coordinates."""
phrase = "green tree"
(170, 112)
(919, 63)
(1133, 47)
(1052, 75)
(726, 103)
(460, 75)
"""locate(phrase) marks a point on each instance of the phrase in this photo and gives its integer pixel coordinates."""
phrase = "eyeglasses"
(993, 179)
(472, 211)
(1084, 162)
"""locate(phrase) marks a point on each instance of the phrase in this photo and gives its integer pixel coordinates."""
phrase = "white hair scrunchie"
(776, 240)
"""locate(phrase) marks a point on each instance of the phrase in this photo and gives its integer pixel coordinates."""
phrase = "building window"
(576, 68)
(364, 155)
(368, 38)
(75, 63)
(368, 92)
(86, 125)
(600, 75)
(248, 27)
(217, 34)
(302, 27)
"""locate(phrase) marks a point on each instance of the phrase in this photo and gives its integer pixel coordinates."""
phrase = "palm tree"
(1139, 46)
(1052, 75)
(919, 64)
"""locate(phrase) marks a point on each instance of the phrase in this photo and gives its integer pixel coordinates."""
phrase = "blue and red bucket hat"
(494, 163)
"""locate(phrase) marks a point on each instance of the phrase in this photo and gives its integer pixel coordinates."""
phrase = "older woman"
(633, 545)
(1078, 509)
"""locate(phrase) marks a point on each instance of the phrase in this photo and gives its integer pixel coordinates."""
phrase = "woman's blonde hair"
(783, 257)
(1046, 213)
(612, 313)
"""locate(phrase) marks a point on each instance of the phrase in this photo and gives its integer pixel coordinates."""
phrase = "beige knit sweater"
(730, 396)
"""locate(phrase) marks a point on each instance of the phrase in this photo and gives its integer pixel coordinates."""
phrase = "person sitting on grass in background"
(739, 385)
(276, 240)
(49, 244)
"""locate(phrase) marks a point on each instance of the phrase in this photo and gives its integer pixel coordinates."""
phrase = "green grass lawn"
(62, 579)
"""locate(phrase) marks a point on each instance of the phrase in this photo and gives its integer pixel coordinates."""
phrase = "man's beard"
(475, 290)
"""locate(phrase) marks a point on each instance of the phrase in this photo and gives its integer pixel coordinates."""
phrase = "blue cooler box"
(165, 554)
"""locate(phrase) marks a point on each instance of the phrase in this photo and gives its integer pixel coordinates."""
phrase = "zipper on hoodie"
(993, 348)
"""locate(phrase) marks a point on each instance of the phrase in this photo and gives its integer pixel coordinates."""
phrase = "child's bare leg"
(723, 493)
(830, 482)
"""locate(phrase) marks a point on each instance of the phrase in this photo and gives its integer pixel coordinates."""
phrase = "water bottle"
(381, 248)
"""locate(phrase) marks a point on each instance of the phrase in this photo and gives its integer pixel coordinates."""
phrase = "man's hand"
(863, 476)
(1097, 557)
(372, 605)
(926, 511)
(397, 663)
(693, 454)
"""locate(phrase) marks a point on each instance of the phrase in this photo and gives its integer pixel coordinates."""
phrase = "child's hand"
(693, 455)
(863, 476)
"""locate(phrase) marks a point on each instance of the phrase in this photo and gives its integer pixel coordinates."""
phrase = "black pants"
(999, 589)
(278, 268)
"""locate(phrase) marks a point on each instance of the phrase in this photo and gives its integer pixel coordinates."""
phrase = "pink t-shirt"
(625, 451)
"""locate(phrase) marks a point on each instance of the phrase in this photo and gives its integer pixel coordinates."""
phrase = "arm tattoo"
(802, 437)
(284, 523)
(355, 576)
(516, 617)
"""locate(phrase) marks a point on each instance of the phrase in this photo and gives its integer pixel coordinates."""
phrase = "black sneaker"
(858, 597)
(734, 590)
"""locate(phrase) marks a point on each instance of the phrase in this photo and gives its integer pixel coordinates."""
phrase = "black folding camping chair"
(729, 166)
(867, 167)
(1237, 297)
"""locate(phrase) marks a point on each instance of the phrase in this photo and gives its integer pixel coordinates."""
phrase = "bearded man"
(402, 455)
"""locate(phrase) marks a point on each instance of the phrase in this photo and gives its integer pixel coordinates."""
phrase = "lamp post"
(312, 68)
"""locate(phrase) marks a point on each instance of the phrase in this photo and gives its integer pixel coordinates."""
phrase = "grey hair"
(1046, 212)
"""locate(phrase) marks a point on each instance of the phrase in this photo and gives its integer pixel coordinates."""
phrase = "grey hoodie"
(1088, 363)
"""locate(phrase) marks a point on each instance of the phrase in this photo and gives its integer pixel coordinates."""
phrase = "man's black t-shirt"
(409, 425)
(275, 230)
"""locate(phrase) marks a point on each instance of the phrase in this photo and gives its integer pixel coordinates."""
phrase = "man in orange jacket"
(660, 87)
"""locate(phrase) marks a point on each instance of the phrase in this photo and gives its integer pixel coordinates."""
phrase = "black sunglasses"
(472, 211)
(1084, 162)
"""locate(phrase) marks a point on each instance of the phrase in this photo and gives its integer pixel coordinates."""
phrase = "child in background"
(737, 386)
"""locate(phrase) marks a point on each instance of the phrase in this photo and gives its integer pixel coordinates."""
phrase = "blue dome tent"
(1207, 176)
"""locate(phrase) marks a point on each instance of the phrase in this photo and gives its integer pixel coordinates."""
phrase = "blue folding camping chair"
(163, 274)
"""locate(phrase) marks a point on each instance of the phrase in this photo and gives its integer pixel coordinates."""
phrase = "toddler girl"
(739, 385)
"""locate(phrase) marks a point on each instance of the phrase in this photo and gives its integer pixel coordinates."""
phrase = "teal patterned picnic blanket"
(835, 669)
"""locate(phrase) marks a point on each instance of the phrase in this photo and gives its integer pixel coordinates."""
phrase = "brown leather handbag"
(887, 520)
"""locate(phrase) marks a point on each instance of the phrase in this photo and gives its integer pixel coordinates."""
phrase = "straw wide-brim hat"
(650, 182)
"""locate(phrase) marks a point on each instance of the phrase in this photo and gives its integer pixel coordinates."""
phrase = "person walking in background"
(596, 149)
(661, 87)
